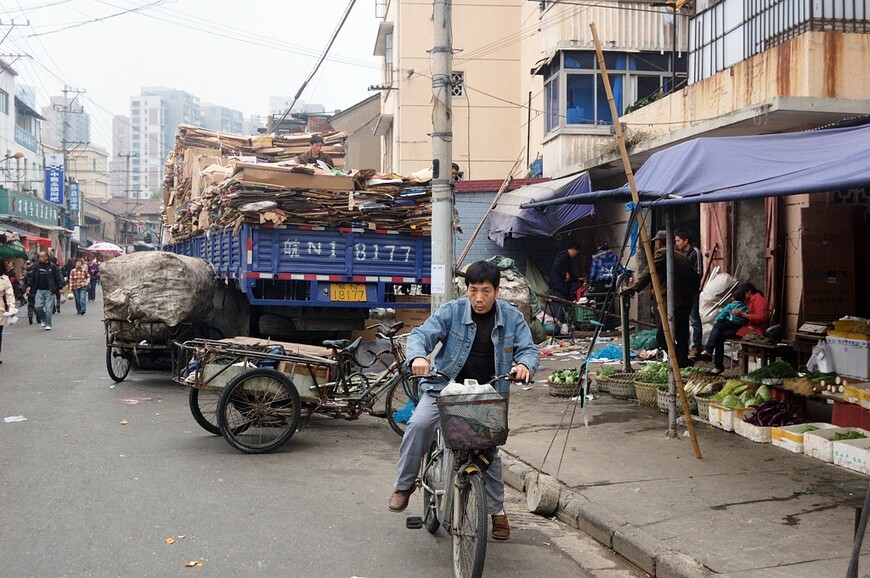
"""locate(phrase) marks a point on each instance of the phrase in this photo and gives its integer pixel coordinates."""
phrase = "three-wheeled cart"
(257, 393)
(147, 344)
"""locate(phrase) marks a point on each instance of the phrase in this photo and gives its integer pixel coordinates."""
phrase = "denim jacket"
(452, 326)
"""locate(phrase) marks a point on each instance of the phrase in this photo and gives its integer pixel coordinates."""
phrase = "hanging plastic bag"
(820, 359)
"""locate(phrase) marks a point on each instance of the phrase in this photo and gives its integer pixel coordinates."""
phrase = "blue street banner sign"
(54, 179)
(74, 196)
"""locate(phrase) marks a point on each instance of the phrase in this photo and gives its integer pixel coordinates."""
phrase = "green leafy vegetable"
(848, 435)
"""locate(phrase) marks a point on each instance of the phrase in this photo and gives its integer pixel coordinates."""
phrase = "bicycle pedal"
(413, 522)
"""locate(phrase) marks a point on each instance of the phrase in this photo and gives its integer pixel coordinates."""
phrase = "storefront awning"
(707, 170)
(509, 219)
(33, 237)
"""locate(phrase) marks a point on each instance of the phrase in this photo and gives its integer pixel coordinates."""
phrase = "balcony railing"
(772, 22)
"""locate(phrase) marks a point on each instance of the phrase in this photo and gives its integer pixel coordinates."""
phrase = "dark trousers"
(722, 331)
(681, 334)
(695, 320)
(92, 290)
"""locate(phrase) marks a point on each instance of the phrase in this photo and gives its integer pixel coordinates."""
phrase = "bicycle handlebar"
(438, 375)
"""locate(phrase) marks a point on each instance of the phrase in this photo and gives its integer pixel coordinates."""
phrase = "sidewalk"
(743, 510)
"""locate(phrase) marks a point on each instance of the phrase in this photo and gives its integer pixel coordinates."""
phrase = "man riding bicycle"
(480, 337)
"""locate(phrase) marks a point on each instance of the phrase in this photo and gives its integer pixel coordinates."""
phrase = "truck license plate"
(347, 292)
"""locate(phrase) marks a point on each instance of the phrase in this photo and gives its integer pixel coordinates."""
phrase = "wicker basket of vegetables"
(620, 385)
(564, 383)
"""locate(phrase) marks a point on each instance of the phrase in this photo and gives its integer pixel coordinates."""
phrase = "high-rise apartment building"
(154, 118)
(78, 122)
(121, 161)
(221, 118)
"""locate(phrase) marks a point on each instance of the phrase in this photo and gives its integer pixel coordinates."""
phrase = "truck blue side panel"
(313, 259)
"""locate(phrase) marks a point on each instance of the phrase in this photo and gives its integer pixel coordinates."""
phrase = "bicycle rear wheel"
(400, 403)
(469, 527)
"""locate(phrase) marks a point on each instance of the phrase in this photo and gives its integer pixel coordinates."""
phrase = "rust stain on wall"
(833, 61)
(783, 68)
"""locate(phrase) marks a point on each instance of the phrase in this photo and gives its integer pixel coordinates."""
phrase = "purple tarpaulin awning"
(707, 170)
(509, 220)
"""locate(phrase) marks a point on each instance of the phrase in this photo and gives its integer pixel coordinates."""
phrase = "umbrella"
(12, 250)
(104, 248)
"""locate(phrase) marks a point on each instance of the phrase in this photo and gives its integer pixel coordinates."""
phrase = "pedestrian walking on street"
(58, 299)
(683, 244)
(78, 284)
(30, 292)
(7, 300)
(480, 337)
(94, 272)
(47, 282)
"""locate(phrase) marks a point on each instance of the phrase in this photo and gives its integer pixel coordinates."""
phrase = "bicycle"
(452, 471)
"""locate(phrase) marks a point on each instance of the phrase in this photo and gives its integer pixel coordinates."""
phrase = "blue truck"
(297, 282)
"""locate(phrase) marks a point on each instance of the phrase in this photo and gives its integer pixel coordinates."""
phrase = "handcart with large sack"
(151, 299)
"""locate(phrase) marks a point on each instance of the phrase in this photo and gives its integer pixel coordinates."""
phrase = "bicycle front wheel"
(400, 403)
(469, 527)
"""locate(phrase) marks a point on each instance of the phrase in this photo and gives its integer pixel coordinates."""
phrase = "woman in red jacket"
(758, 316)
(757, 319)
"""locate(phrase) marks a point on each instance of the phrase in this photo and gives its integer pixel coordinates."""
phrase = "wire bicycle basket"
(473, 421)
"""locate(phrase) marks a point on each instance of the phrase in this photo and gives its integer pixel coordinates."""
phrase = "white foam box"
(791, 437)
(853, 455)
(850, 357)
(750, 431)
(722, 417)
(819, 444)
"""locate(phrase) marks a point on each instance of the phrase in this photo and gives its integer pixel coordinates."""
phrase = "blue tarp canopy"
(508, 219)
(707, 170)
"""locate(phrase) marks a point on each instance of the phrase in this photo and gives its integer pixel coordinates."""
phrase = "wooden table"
(767, 353)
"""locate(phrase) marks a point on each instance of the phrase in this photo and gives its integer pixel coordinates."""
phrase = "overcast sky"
(231, 53)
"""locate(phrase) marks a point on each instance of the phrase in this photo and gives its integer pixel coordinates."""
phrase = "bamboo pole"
(656, 282)
(502, 189)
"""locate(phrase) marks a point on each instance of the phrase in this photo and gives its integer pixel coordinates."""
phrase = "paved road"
(83, 494)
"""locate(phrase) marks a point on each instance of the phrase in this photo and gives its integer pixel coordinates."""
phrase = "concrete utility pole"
(128, 156)
(442, 155)
(66, 109)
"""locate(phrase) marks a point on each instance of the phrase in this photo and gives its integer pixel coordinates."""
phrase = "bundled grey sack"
(153, 286)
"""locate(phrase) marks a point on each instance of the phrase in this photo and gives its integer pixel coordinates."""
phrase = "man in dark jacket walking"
(47, 280)
(685, 289)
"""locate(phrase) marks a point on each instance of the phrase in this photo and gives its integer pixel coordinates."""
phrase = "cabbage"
(763, 393)
(731, 401)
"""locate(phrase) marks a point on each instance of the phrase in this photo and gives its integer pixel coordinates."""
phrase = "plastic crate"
(473, 420)
(584, 314)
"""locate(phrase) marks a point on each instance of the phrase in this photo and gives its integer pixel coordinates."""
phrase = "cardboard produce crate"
(791, 437)
(820, 445)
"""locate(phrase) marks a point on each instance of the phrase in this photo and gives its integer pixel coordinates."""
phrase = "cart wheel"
(401, 400)
(117, 363)
(259, 410)
(203, 405)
